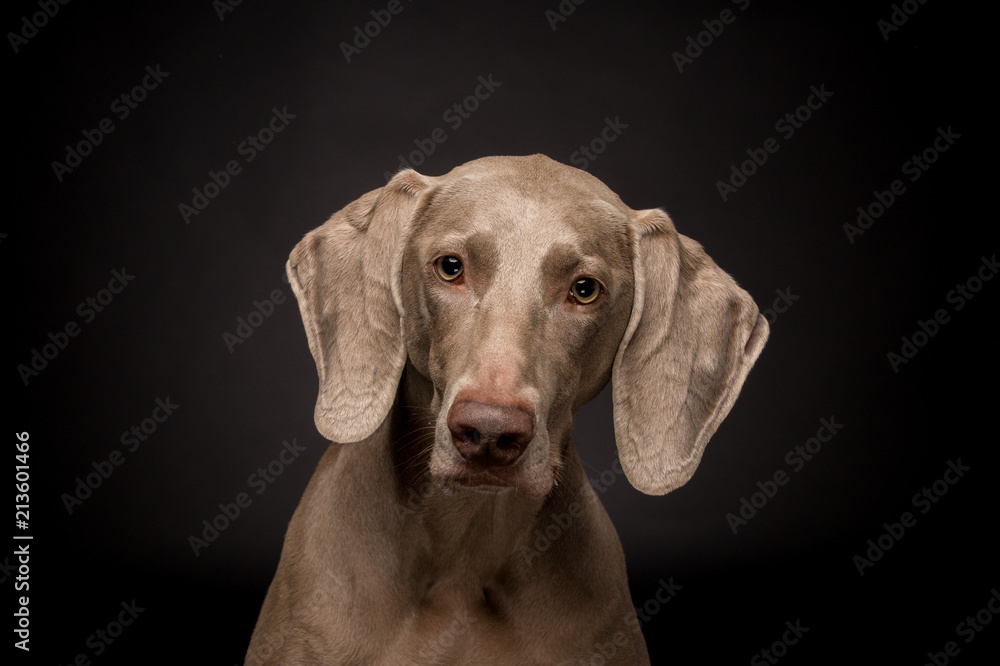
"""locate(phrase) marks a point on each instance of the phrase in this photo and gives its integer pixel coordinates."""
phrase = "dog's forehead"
(527, 202)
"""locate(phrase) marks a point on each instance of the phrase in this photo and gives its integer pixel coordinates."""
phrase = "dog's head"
(518, 286)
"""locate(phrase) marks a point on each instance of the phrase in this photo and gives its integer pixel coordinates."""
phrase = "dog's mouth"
(485, 480)
(488, 480)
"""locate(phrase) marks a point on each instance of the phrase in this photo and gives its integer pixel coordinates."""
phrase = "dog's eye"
(449, 268)
(585, 290)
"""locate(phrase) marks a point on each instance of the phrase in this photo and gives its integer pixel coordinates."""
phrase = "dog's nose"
(490, 435)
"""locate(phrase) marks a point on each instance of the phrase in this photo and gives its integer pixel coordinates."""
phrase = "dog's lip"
(483, 478)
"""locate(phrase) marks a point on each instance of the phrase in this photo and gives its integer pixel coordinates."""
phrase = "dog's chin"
(491, 481)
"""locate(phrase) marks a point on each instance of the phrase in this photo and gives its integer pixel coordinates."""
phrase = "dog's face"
(517, 290)
(517, 286)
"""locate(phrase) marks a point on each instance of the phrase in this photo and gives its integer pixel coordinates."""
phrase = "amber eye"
(585, 290)
(449, 268)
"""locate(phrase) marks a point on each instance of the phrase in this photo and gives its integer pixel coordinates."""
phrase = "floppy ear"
(345, 275)
(691, 340)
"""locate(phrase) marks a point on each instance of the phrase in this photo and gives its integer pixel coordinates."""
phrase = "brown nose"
(490, 435)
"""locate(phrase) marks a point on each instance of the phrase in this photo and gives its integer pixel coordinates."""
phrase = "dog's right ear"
(345, 275)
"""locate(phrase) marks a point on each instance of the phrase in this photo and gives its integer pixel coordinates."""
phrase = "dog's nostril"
(490, 435)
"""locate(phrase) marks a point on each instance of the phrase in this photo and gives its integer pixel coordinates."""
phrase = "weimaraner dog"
(457, 324)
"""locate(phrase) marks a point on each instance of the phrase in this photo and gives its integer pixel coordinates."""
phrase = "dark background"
(782, 230)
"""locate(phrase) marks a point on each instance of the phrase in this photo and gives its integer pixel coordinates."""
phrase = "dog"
(457, 324)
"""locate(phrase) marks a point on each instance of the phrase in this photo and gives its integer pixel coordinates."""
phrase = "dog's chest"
(491, 624)
(454, 626)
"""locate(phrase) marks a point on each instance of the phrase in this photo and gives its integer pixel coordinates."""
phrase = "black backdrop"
(665, 120)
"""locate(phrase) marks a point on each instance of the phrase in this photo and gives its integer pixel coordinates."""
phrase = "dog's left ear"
(345, 275)
(692, 338)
